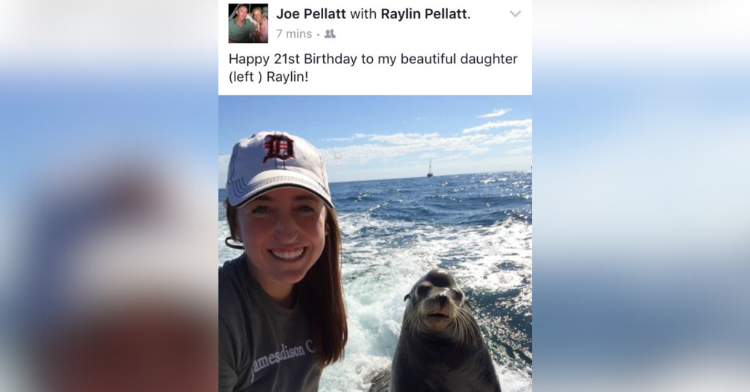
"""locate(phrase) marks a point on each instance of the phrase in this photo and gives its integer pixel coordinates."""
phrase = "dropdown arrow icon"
(515, 14)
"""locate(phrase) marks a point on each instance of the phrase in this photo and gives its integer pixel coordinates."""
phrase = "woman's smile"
(288, 254)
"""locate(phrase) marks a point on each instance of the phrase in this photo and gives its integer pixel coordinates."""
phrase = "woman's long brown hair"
(321, 290)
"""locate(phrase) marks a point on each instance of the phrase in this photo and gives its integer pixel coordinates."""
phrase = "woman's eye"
(259, 210)
(305, 209)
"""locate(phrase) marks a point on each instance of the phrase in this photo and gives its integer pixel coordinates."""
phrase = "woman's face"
(283, 232)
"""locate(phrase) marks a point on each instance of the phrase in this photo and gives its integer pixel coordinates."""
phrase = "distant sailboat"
(429, 173)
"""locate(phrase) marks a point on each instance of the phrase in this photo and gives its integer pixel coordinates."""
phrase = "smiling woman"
(284, 291)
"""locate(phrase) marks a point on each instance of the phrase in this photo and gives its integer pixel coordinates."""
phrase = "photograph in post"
(391, 229)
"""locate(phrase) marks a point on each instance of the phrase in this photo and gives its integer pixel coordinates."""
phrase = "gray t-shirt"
(262, 345)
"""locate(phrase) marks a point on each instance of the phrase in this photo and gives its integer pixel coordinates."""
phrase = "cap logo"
(280, 147)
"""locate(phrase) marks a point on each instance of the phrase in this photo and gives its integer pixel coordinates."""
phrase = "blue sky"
(373, 137)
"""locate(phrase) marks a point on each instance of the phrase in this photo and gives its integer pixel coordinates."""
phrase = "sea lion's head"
(437, 305)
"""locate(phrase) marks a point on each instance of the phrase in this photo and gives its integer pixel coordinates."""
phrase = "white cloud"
(498, 124)
(338, 139)
(495, 113)
(453, 158)
(513, 136)
(346, 139)
(404, 138)
(522, 150)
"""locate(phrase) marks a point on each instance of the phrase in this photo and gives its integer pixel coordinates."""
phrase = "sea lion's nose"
(440, 277)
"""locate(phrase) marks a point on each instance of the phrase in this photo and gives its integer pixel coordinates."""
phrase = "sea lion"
(441, 347)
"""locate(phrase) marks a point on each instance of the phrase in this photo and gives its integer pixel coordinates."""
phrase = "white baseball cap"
(270, 160)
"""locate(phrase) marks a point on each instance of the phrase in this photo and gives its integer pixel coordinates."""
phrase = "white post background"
(491, 29)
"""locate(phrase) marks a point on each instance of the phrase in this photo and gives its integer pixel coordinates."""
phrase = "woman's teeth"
(288, 255)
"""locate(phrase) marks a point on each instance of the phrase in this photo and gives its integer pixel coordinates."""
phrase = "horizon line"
(409, 178)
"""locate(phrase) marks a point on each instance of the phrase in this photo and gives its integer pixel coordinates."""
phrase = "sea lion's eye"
(424, 288)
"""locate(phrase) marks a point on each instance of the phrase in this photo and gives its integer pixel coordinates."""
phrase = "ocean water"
(478, 226)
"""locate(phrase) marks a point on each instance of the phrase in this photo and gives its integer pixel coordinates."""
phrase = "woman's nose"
(286, 228)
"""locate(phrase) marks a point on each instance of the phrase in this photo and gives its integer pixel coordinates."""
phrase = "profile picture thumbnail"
(248, 23)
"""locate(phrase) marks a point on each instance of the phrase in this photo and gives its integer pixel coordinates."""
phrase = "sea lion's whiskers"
(465, 330)
(462, 326)
(414, 326)
(410, 321)
(465, 335)
(415, 317)
(457, 330)
(467, 326)
(475, 334)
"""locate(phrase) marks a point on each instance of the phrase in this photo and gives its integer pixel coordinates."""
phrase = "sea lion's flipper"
(381, 381)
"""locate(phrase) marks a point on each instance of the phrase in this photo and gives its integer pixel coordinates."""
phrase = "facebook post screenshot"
(373, 223)
(375, 196)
